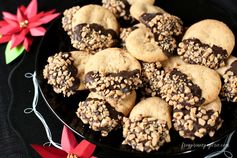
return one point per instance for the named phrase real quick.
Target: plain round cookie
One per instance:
(153, 107)
(173, 62)
(141, 43)
(80, 59)
(137, 9)
(91, 14)
(212, 32)
(207, 79)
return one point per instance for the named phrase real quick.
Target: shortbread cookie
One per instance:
(198, 121)
(173, 62)
(208, 42)
(148, 47)
(147, 127)
(112, 72)
(120, 8)
(229, 75)
(67, 19)
(138, 9)
(65, 71)
(162, 23)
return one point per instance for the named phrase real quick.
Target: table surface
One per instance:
(18, 130)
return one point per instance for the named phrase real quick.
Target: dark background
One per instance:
(19, 130)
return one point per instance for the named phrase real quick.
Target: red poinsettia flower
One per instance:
(70, 148)
(20, 28)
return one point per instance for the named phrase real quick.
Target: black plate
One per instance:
(57, 40)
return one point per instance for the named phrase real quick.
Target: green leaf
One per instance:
(12, 54)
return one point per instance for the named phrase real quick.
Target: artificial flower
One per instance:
(70, 148)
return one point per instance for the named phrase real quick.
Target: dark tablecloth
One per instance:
(22, 129)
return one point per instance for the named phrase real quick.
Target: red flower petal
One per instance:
(47, 18)
(7, 29)
(27, 43)
(84, 150)
(22, 8)
(37, 31)
(68, 140)
(3, 23)
(49, 152)
(31, 10)
(8, 15)
(19, 38)
(20, 16)
(12, 22)
(5, 38)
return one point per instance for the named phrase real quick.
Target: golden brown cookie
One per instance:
(112, 72)
(216, 105)
(208, 42)
(138, 9)
(149, 47)
(141, 1)
(147, 127)
(173, 62)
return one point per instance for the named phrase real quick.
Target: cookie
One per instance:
(65, 72)
(147, 127)
(99, 114)
(198, 121)
(138, 9)
(96, 14)
(208, 42)
(67, 19)
(120, 8)
(185, 86)
(94, 28)
(112, 72)
(229, 75)
(173, 62)
(141, 1)
(154, 47)
(162, 23)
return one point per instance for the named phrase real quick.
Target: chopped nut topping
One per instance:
(164, 24)
(67, 19)
(99, 114)
(114, 85)
(61, 74)
(229, 88)
(145, 133)
(195, 125)
(193, 51)
(120, 8)
(92, 37)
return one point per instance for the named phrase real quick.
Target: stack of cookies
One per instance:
(145, 72)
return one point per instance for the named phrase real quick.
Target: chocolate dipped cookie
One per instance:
(104, 114)
(112, 72)
(147, 127)
(208, 42)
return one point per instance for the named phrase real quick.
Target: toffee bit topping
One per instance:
(152, 75)
(72, 156)
(164, 24)
(120, 8)
(114, 85)
(99, 114)
(193, 51)
(67, 19)
(62, 74)
(92, 37)
(167, 43)
(178, 90)
(196, 122)
(145, 133)
(229, 88)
